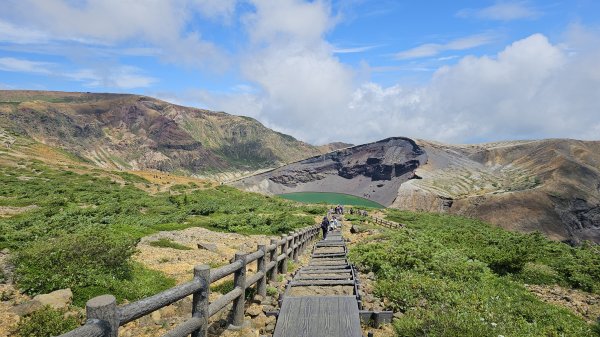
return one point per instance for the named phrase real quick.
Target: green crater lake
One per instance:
(330, 198)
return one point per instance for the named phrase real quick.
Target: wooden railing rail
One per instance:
(104, 317)
(386, 223)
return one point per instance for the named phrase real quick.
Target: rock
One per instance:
(168, 311)
(258, 299)
(59, 299)
(156, 316)
(371, 276)
(270, 328)
(27, 308)
(259, 321)
(208, 246)
(254, 310)
(398, 315)
(268, 307)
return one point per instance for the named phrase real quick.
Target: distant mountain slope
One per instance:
(551, 186)
(326, 148)
(138, 132)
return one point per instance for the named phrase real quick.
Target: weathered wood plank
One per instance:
(318, 316)
(322, 283)
(325, 271)
(323, 277)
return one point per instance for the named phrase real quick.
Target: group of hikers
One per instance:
(330, 225)
(335, 223)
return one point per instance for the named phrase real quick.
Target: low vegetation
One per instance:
(86, 226)
(47, 322)
(166, 243)
(453, 276)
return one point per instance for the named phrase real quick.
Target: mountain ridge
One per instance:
(126, 131)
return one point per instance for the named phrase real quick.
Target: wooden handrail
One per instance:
(386, 223)
(104, 317)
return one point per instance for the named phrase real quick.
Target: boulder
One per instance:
(208, 246)
(26, 308)
(259, 321)
(59, 299)
(254, 310)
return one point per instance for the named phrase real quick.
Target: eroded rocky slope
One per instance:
(552, 186)
(374, 171)
(138, 132)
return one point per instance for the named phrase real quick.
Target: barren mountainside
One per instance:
(551, 186)
(138, 132)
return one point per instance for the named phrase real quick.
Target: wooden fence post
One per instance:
(200, 299)
(284, 250)
(239, 281)
(261, 263)
(104, 308)
(274, 258)
(295, 245)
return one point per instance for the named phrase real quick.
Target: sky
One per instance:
(333, 70)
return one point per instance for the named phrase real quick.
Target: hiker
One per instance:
(336, 224)
(325, 226)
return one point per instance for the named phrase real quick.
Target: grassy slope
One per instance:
(453, 276)
(75, 202)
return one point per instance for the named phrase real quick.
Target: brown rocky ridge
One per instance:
(131, 132)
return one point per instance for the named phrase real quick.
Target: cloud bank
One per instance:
(532, 89)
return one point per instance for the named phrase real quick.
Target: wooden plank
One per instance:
(318, 316)
(322, 283)
(326, 267)
(323, 277)
(325, 271)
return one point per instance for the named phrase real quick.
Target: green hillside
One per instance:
(455, 276)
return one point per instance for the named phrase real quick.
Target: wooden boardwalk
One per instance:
(321, 300)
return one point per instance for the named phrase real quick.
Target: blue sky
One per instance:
(354, 71)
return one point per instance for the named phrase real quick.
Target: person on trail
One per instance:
(335, 222)
(325, 226)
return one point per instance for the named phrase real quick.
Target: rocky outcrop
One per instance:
(374, 171)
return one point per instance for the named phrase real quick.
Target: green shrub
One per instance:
(81, 259)
(46, 322)
(223, 287)
(536, 273)
(272, 291)
(453, 276)
(166, 243)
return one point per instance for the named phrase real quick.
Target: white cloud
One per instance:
(353, 49)
(162, 24)
(502, 11)
(432, 49)
(214, 9)
(531, 89)
(301, 84)
(20, 35)
(25, 66)
(121, 77)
